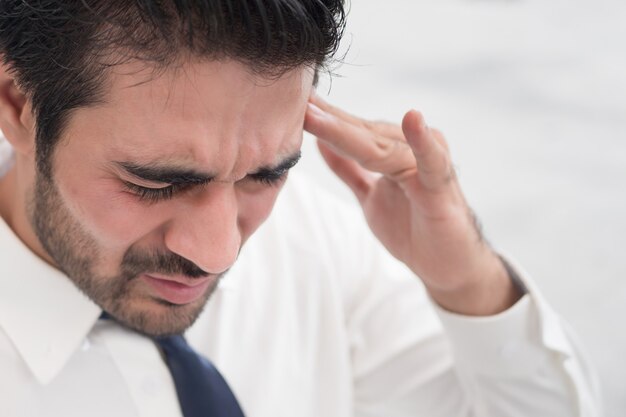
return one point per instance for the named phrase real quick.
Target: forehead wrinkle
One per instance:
(272, 143)
(243, 150)
(247, 128)
(252, 159)
(227, 159)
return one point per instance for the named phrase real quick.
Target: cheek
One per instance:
(254, 208)
(115, 218)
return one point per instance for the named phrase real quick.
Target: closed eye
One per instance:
(275, 175)
(155, 195)
(152, 195)
(175, 182)
(273, 179)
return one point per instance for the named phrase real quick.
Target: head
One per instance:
(153, 137)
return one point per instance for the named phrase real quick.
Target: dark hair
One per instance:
(59, 51)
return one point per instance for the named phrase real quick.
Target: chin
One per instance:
(157, 317)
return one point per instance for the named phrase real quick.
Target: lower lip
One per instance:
(174, 292)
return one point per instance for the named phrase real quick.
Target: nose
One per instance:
(205, 229)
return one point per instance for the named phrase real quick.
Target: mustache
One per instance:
(136, 262)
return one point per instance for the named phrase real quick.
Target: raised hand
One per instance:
(405, 182)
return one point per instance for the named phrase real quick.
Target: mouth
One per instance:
(178, 290)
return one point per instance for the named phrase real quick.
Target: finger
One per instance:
(382, 128)
(371, 150)
(433, 161)
(440, 139)
(390, 130)
(336, 111)
(358, 179)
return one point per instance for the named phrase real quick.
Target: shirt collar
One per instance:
(41, 311)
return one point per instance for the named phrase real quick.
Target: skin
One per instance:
(203, 117)
(416, 208)
(217, 119)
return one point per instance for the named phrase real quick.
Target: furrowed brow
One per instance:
(167, 175)
(278, 170)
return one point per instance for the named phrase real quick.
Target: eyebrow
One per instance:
(154, 172)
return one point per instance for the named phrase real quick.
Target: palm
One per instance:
(416, 208)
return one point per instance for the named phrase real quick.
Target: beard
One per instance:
(78, 255)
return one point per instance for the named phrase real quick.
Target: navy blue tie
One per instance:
(201, 389)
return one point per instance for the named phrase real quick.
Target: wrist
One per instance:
(497, 289)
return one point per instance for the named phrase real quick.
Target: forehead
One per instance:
(200, 114)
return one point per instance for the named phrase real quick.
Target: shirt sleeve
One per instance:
(528, 345)
(412, 358)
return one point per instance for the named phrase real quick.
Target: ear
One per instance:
(16, 118)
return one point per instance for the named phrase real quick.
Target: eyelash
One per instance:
(152, 195)
(155, 195)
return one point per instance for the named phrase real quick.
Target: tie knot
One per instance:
(105, 316)
(171, 344)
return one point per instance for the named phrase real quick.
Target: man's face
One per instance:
(154, 192)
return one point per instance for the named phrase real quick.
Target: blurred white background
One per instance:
(532, 98)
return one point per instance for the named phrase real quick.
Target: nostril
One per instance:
(209, 249)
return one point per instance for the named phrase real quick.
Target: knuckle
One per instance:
(382, 148)
(385, 150)
(389, 147)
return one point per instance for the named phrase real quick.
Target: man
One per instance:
(149, 141)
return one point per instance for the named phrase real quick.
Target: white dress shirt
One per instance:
(314, 320)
